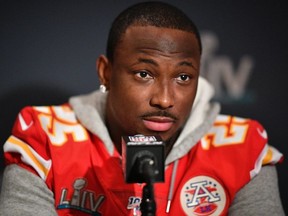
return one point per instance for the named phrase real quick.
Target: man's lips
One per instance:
(158, 123)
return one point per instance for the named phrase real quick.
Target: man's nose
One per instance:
(162, 96)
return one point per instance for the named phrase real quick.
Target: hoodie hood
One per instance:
(200, 120)
(90, 111)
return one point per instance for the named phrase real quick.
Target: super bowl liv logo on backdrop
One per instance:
(229, 80)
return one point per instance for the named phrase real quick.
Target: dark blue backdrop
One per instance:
(48, 51)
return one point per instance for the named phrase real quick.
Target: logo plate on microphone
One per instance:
(136, 148)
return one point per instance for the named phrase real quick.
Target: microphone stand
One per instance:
(147, 169)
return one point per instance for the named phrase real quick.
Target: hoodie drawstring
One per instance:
(171, 188)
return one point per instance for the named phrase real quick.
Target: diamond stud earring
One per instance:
(102, 88)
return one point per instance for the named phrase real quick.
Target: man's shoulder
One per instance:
(241, 140)
(230, 130)
(47, 109)
(232, 120)
(57, 122)
(40, 133)
(47, 115)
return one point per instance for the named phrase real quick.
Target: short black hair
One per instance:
(156, 14)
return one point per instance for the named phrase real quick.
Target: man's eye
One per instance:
(143, 75)
(183, 77)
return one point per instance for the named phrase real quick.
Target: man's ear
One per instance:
(104, 70)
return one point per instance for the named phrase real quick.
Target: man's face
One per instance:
(152, 82)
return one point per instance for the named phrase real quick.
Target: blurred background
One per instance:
(48, 51)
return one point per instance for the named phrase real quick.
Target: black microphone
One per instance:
(143, 162)
(143, 159)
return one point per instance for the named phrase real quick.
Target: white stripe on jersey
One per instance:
(28, 156)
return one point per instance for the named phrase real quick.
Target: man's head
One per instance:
(156, 14)
(152, 72)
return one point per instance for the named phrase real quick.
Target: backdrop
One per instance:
(48, 51)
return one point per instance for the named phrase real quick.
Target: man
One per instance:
(66, 160)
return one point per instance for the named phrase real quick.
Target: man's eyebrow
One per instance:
(149, 61)
(185, 63)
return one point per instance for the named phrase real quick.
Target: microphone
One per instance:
(143, 159)
(143, 162)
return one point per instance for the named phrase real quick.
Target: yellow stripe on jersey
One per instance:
(28, 156)
(272, 156)
(268, 157)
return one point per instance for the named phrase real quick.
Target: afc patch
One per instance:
(202, 196)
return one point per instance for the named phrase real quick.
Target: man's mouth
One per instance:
(158, 123)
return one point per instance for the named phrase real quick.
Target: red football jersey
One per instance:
(87, 180)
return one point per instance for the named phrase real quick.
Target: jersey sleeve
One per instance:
(268, 154)
(28, 145)
(241, 142)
